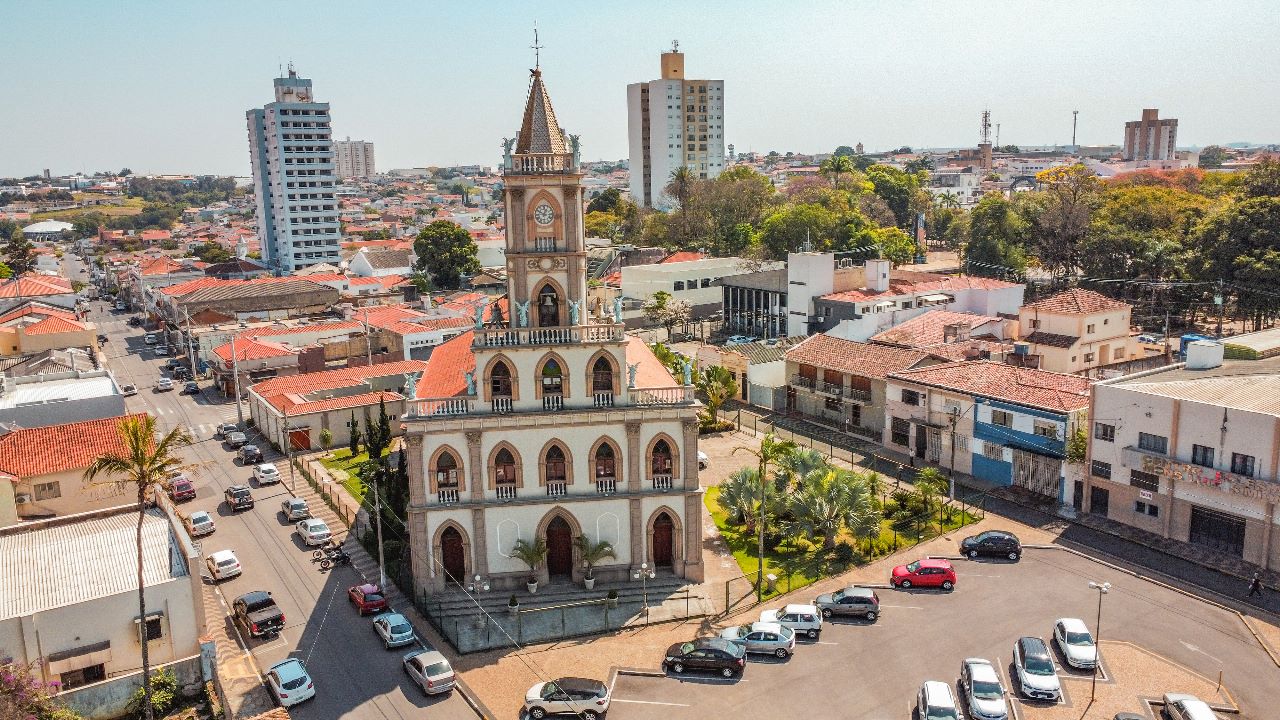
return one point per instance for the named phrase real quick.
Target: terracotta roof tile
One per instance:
(1077, 301)
(682, 256)
(40, 451)
(929, 328)
(1041, 337)
(998, 381)
(650, 373)
(855, 358)
(253, 349)
(30, 285)
(446, 373)
(289, 402)
(54, 324)
(329, 379)
(908, 282)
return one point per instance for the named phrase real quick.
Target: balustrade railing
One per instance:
(447, 495)
(603, 399)
(556, 488)
(835, 389)
(444, 406)
(544, 244)
(802, 381)
(606, 485)
(552, 402)
(506, 491)
(502, 404)
(509, 337)
(677, 395)
(663, 482)
(859, 395)
(639, 397)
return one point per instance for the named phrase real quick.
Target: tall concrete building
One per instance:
(1150, 138)
(355, 159)
(687, 116)
(291, 151)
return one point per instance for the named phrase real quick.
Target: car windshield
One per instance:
(1079, 638)
(837, 596)
(372, 597)
(549, 689)
(439, 668)
(913, 566)
(226, 563)
(986, 690)
(295, 683)
(401, 629)
(785, 633)
(1038, 665)
(941, 714)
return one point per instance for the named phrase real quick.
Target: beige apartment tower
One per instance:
(686, 116)
(355, 159)
(1150, 138)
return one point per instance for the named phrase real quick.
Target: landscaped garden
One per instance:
(820, 519)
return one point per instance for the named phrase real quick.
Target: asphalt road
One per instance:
(355, 677)
(862, 670)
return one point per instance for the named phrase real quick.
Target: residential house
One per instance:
(49, 289)
(56, 398)
(381, 262)
(34, 327)
(208, 300)
(1002, 424)
(843, 383)
(759, 369)
(1077, 330)
(952, 335)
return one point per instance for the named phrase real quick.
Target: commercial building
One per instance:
(685, 115)
(1150, 139)
(291, 153)
(551, 423)
(1190, 452)
(58, 397)
(694, 280)
(355, 159)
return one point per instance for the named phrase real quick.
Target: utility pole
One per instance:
(1219, 300)
(368, 351)
(1074, 116)
(377, 510)
(235, 373)
(951, 471)
(286, 444)
(191, 344)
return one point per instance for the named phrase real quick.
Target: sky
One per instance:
(162, 87)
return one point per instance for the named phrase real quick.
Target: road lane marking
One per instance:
(650, 702)
(1196, 649)
(903, 607)
(821, 642)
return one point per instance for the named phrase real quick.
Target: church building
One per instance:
(546, 421)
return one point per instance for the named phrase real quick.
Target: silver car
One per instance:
(1076, 643)
(982, 689)
(763, 637)
(430, 671)
(295, 509)
(312, 531)
(394, 629)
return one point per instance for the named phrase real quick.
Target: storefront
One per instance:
(1217, 530)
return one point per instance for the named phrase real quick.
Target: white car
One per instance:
(161, 350)
(149, 338)
(127, 390)
(703, 460)
(579, 697)
(1178, 706)
(200, 523)
(804, 619)
(164, 384)
(266, 474)
(430, 670)
(1075, 642)
(394, 629)
(313, 531)
(295, 509)
(935, 701)
(290, 682)
(983, 691)
(1037, 676)
(223, 565)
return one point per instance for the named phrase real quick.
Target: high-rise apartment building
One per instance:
(673, 122)
(355, 159)
(291, 151)
(1150, 138)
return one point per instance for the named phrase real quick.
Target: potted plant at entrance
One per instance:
(531, 554)
(591, 554)
(513, 605)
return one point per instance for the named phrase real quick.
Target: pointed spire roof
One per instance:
(540, 132)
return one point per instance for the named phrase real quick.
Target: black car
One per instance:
(135, 321)
(238, 497)
(257, 614)
(191, 389)
(249, 455)
(714, 654)
(181, 372)
(995, 543)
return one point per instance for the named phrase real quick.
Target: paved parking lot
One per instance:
(863, 670)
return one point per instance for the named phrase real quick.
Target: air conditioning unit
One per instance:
(22, 498)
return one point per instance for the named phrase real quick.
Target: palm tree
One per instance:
(835, 166)
(531, 554)
(930, 483)
(738, 496)
(794, 466)
(144, 465)
(593, 553)
(680, 186)
(830, 499)
(946, 200)
(771, 450)
(718, 385)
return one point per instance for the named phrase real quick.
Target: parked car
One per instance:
(249, 454)
(181, 372)
(161, 350)
(1037, 677)
(313, 531)
(854, 601)
(290, 682)
(714, 654)
(257, 614)
(149, 338)
(430, 670)
(266, 473)
(295, 509)
(182, 489)
(763, 637)
(238, 497)
(199, 523)
(134, 321)
(927, 572)
(982, 689)
(935, 702)
(703, 460)
(164, 384)
(994, 543)
(127, 390)
(739, 340)
(367, 598)
(191, 389)
(223, 564)
(394, 629)
(579, 697)
(804, 619)
(235, 439)
(1076, 643)
(1178, 706)
(225, 429)
(1149, 339)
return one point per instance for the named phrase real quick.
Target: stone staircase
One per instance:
(456, 602)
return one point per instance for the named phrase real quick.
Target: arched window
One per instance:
(552, 378)
(548, 306)
(500, 381)
(556, 468)
(446, 469)
(660, 460)
(602, 376)
(504, 467)
(606, 463)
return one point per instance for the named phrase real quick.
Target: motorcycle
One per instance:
(330, 555)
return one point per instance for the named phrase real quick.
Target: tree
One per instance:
(899, 189)
(826, 503)
(794, 466)
(1263, 180)
(606, 201)
(718, 385)
(738, 496)
(326, 438)
(212, 252)
(1240, 246)
(19, 253)
(144, 465)
(794, 227)
(600, 224)
(592, 553)
(835, 166)
(894, 245)
(383, 428)
(6, 272)
(931, 483)
(679, 188)
(24, 695)
(1070, 194)
(1212, 157)
(997, 235)
(843, 151)
(1077, 445)
(353, 444)
(447, 253)
(531, 554)
(662, 309)
(771, 449)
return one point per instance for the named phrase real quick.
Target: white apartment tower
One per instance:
(687, 116)
(355, 159)
(291, 151)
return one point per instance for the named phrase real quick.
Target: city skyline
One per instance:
(437, 89)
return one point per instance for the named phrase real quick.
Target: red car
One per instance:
(181, 489)
(367, 598)
(924, 573)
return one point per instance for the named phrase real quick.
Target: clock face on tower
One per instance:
(543, 214)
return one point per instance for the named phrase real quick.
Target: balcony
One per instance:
(506, 491)
(832, 389)
(802, 382)
(447, 495)
(502, 405)
(553, 402)
(606, 485)
(453, 407)
(557, 488)
(545, 245)
(677, 395)
(603, 400)
(515, 337)
(862, 396)
(663, 482)
(536, 163)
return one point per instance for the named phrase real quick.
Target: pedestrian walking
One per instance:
(1255, 585)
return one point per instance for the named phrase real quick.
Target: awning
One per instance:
(885, 304)
(80, 657)
(936, 298)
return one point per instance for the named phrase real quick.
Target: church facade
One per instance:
(546, 421)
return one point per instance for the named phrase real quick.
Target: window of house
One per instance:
(504, 467)
(48, 491)
(1046, 429)
(1144, 480)
(154, 628)
(1002, 418)
(993, 451)
(1146, 508)
(1102, 431)
(1088, 357)
(83, 676)
(962, 443)
(1100, 469)
(910, 397)
(1119, 354)
(555, 464)
(660, 462)
(1035, 324)
(1202, 456)
(900, 432)
(1089, 328)
(679, 285)
(1242, 464)
(706, 282)
(605, 462)
(1153, 443)
(446, 469)
(834, 403)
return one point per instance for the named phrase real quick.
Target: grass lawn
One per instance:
(342, 465)
(108, 210)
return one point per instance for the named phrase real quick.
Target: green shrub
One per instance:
(164, 692)
(844, 553)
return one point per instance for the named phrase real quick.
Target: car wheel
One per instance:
(826, 613)
(904, 584)
(781, 653)
(726, 672)
(677, 668)
(812, 634)
(537, 713)
(1014, 556)
(947, 585)
(973, 554)
(871, 616)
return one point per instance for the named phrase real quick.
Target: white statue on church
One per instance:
(522, 313)
(574, 306)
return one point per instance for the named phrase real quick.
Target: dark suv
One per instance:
(853, 601)
(715, 654)
(995, 543)
(238, 497)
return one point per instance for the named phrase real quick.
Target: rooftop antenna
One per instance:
(997, 134)
(291, 70)
(1074, 116)
(675, 46)
(537, 56)
(986, 126)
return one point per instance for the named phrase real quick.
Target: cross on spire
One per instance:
(537, 61)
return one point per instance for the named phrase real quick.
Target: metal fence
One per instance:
(328, 493)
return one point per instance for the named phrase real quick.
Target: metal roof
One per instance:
(73, 562)
(1254, 393)
(49, 391)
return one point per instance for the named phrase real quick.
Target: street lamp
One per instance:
(1103, 589)
(644, 575)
